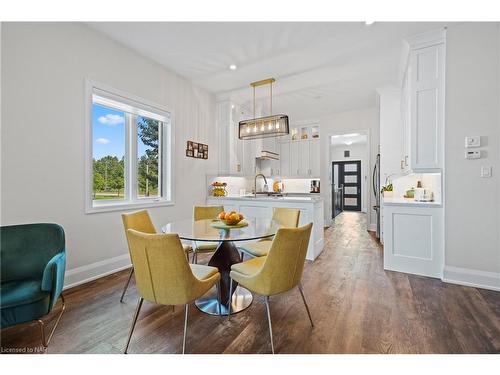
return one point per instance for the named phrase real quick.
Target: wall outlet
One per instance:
(486, 171)
(473, 141)
(473, 154)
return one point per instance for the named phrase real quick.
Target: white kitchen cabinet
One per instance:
(304, 156)
(413, 239)
(422, 104)
(230, 146)
(294, 158)
(314, 158)
(427, 107)
(249, 154)
(285, 158)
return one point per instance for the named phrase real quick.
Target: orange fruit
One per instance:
(222, 215)
(241, 217)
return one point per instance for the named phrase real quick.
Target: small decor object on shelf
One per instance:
(387, 190)
(197, 150)
(219, 189)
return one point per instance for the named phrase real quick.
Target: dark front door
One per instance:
(347, 175)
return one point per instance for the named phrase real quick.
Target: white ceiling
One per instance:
(354, 139)
(320, 68)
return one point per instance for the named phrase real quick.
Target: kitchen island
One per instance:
(311, 210)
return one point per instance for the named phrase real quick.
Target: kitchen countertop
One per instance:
(250, 198)
(408, 202)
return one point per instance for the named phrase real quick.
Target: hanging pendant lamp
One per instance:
(264, 127)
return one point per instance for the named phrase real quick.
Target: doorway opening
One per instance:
(349, 161)
(347, 175)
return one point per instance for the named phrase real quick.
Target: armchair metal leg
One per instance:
(230, 300)
(45, 341)
(126, 284)
(305, 304)
(270, 325)
(185, 329)
(136, 315)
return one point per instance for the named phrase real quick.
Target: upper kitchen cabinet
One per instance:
(300, 156)
(423, 103)
(314, 151)
(236, 156)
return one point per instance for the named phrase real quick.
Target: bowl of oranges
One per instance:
(230, 218)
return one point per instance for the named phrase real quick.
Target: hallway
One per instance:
(357, 307)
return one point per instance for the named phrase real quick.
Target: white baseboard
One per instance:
(89, 272)
(470, 277)
(372, 227)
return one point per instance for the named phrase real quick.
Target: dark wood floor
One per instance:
(357, 307)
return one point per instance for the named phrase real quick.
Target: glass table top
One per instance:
(202, 230)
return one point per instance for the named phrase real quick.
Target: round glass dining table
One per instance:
(224, 257)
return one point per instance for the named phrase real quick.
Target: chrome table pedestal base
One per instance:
(242, 298)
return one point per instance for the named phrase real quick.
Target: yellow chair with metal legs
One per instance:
(140, 221)
(204, 213)
(279, 271)
(286, 218)
(164, 275)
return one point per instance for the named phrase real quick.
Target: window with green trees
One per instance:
(130, 152)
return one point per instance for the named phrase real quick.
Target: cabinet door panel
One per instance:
(314, 159)
(294, 158)
(427, 107)
(304, 168)
(285, 159)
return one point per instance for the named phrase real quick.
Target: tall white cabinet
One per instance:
(422, 104)
(413, 232)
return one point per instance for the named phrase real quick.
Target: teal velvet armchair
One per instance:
(33, 262)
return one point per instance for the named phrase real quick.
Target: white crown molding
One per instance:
(471, 277)
(427, 39)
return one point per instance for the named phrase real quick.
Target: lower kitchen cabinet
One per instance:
(413, 239)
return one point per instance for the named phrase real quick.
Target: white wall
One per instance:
(357, 121)
(358, 151)
(472, 108)
(44, 66)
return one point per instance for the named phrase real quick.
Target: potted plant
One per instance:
(387, 190)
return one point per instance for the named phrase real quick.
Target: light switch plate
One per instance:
(474, 141)
(486, 171)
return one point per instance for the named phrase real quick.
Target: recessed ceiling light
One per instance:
(336, 136)
(348, 143)
(233, 67)
(368, 23)
(351, 135)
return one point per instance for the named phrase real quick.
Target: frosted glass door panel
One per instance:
(351, 179)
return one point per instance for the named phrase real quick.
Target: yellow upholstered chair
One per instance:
(141, 222)
(286, 218)
(164, 276)
(279, 271)
(204, 213)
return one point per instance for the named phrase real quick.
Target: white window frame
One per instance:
(140, 107)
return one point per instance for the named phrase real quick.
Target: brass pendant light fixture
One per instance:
(263, 127)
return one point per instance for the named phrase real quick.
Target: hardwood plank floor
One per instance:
(356, 305)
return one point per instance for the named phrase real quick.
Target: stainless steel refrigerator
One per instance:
(376, 192)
